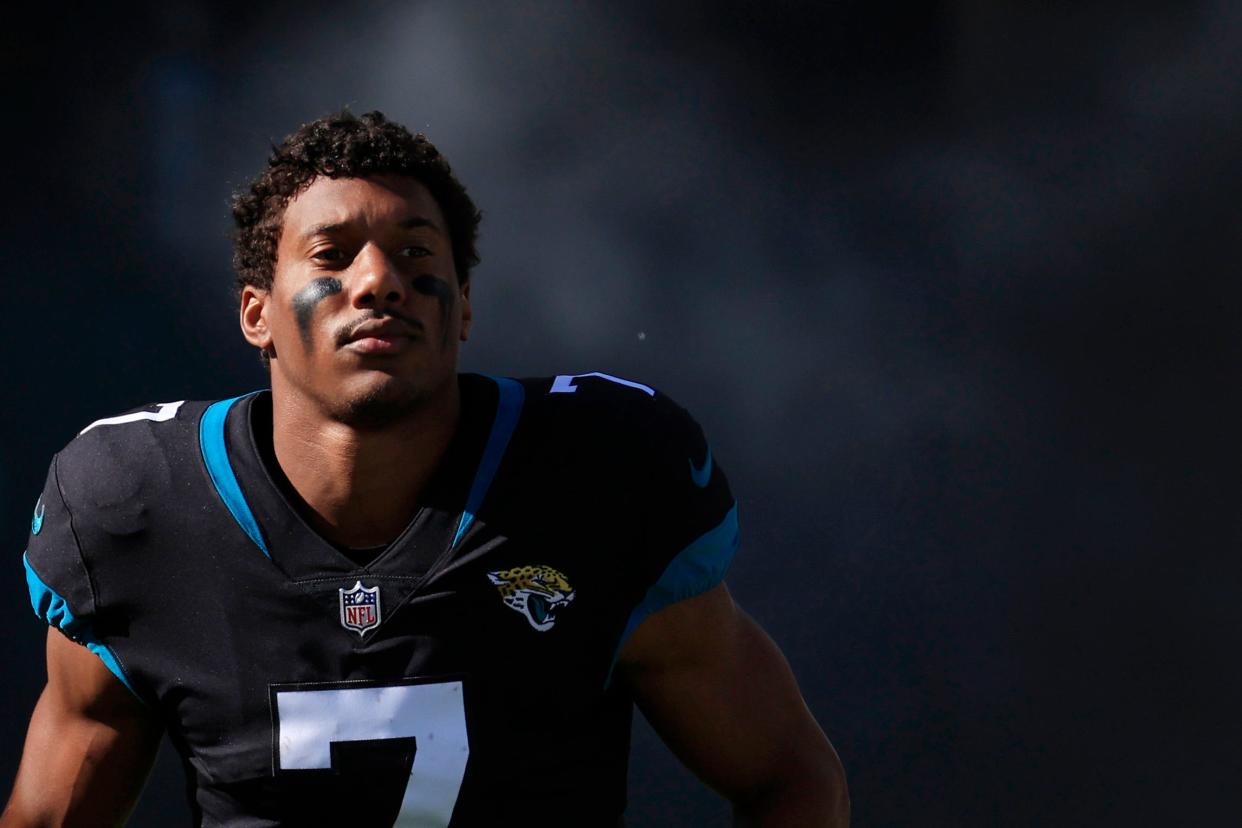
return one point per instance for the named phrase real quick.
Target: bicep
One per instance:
(721, 695)
(89, 747)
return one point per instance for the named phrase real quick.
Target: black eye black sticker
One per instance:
(429, 285)
(305, 301)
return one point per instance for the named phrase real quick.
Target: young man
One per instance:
(382, 592)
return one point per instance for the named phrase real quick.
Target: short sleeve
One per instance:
(57, 579)
(60, 588)
(690, 517)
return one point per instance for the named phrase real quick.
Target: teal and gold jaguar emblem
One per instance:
(537, 592)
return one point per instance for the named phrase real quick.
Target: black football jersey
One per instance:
(462, 676)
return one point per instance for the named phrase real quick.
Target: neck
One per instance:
(362, 488)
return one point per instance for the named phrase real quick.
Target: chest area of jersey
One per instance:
(489, 607)
(505, 641)
(528, 627)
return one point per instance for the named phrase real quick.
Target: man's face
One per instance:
(365, 312)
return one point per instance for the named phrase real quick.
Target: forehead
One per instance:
(374, 202)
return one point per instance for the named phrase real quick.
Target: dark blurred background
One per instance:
(949, 287)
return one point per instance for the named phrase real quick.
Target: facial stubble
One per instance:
(381, 406)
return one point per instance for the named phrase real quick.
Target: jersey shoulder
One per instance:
(115, 459)
(596, 407)
(674, 498)
(99, 491)
(633, 442)
(101, 487)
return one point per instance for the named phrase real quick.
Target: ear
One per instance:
(466, 314)
(254, 317)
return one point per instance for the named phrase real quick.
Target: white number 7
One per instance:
(309, 721)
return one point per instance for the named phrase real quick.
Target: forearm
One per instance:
(89, 747)
(71, 773)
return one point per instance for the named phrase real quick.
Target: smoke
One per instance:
(939, 286)
(635, 209)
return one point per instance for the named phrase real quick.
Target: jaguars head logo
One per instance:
(538, 592)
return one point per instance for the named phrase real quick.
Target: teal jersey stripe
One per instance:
(211, 440)
(51, 606)
(694, 570)
(508, 411)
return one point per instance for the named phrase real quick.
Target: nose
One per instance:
(375, 283)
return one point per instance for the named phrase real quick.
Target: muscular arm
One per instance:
(89, 748)
(721, 695)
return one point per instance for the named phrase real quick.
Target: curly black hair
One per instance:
(344, 146)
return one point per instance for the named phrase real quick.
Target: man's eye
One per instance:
(328, 254)
(415, 251)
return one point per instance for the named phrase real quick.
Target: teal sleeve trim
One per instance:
(51, 606)
(211, 442)
(508, 411)
(694, 570)
(702, 475)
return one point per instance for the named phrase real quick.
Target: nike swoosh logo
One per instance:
(36, 522)
(703, 474)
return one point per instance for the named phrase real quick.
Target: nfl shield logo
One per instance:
(360, 608)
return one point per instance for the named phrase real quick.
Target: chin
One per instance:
(381, 404)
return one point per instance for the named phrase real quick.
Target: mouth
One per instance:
(377, 337)
(376, 345)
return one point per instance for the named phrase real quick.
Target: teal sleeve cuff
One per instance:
(51, 606)
(694, 570)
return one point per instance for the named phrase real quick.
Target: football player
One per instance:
(383, 592)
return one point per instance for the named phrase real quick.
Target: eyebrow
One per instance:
(335, 227)
(418, 221)
(323, 230)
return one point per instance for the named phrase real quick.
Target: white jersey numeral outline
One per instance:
(309, 721)
(167, 412)
(564, 383)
